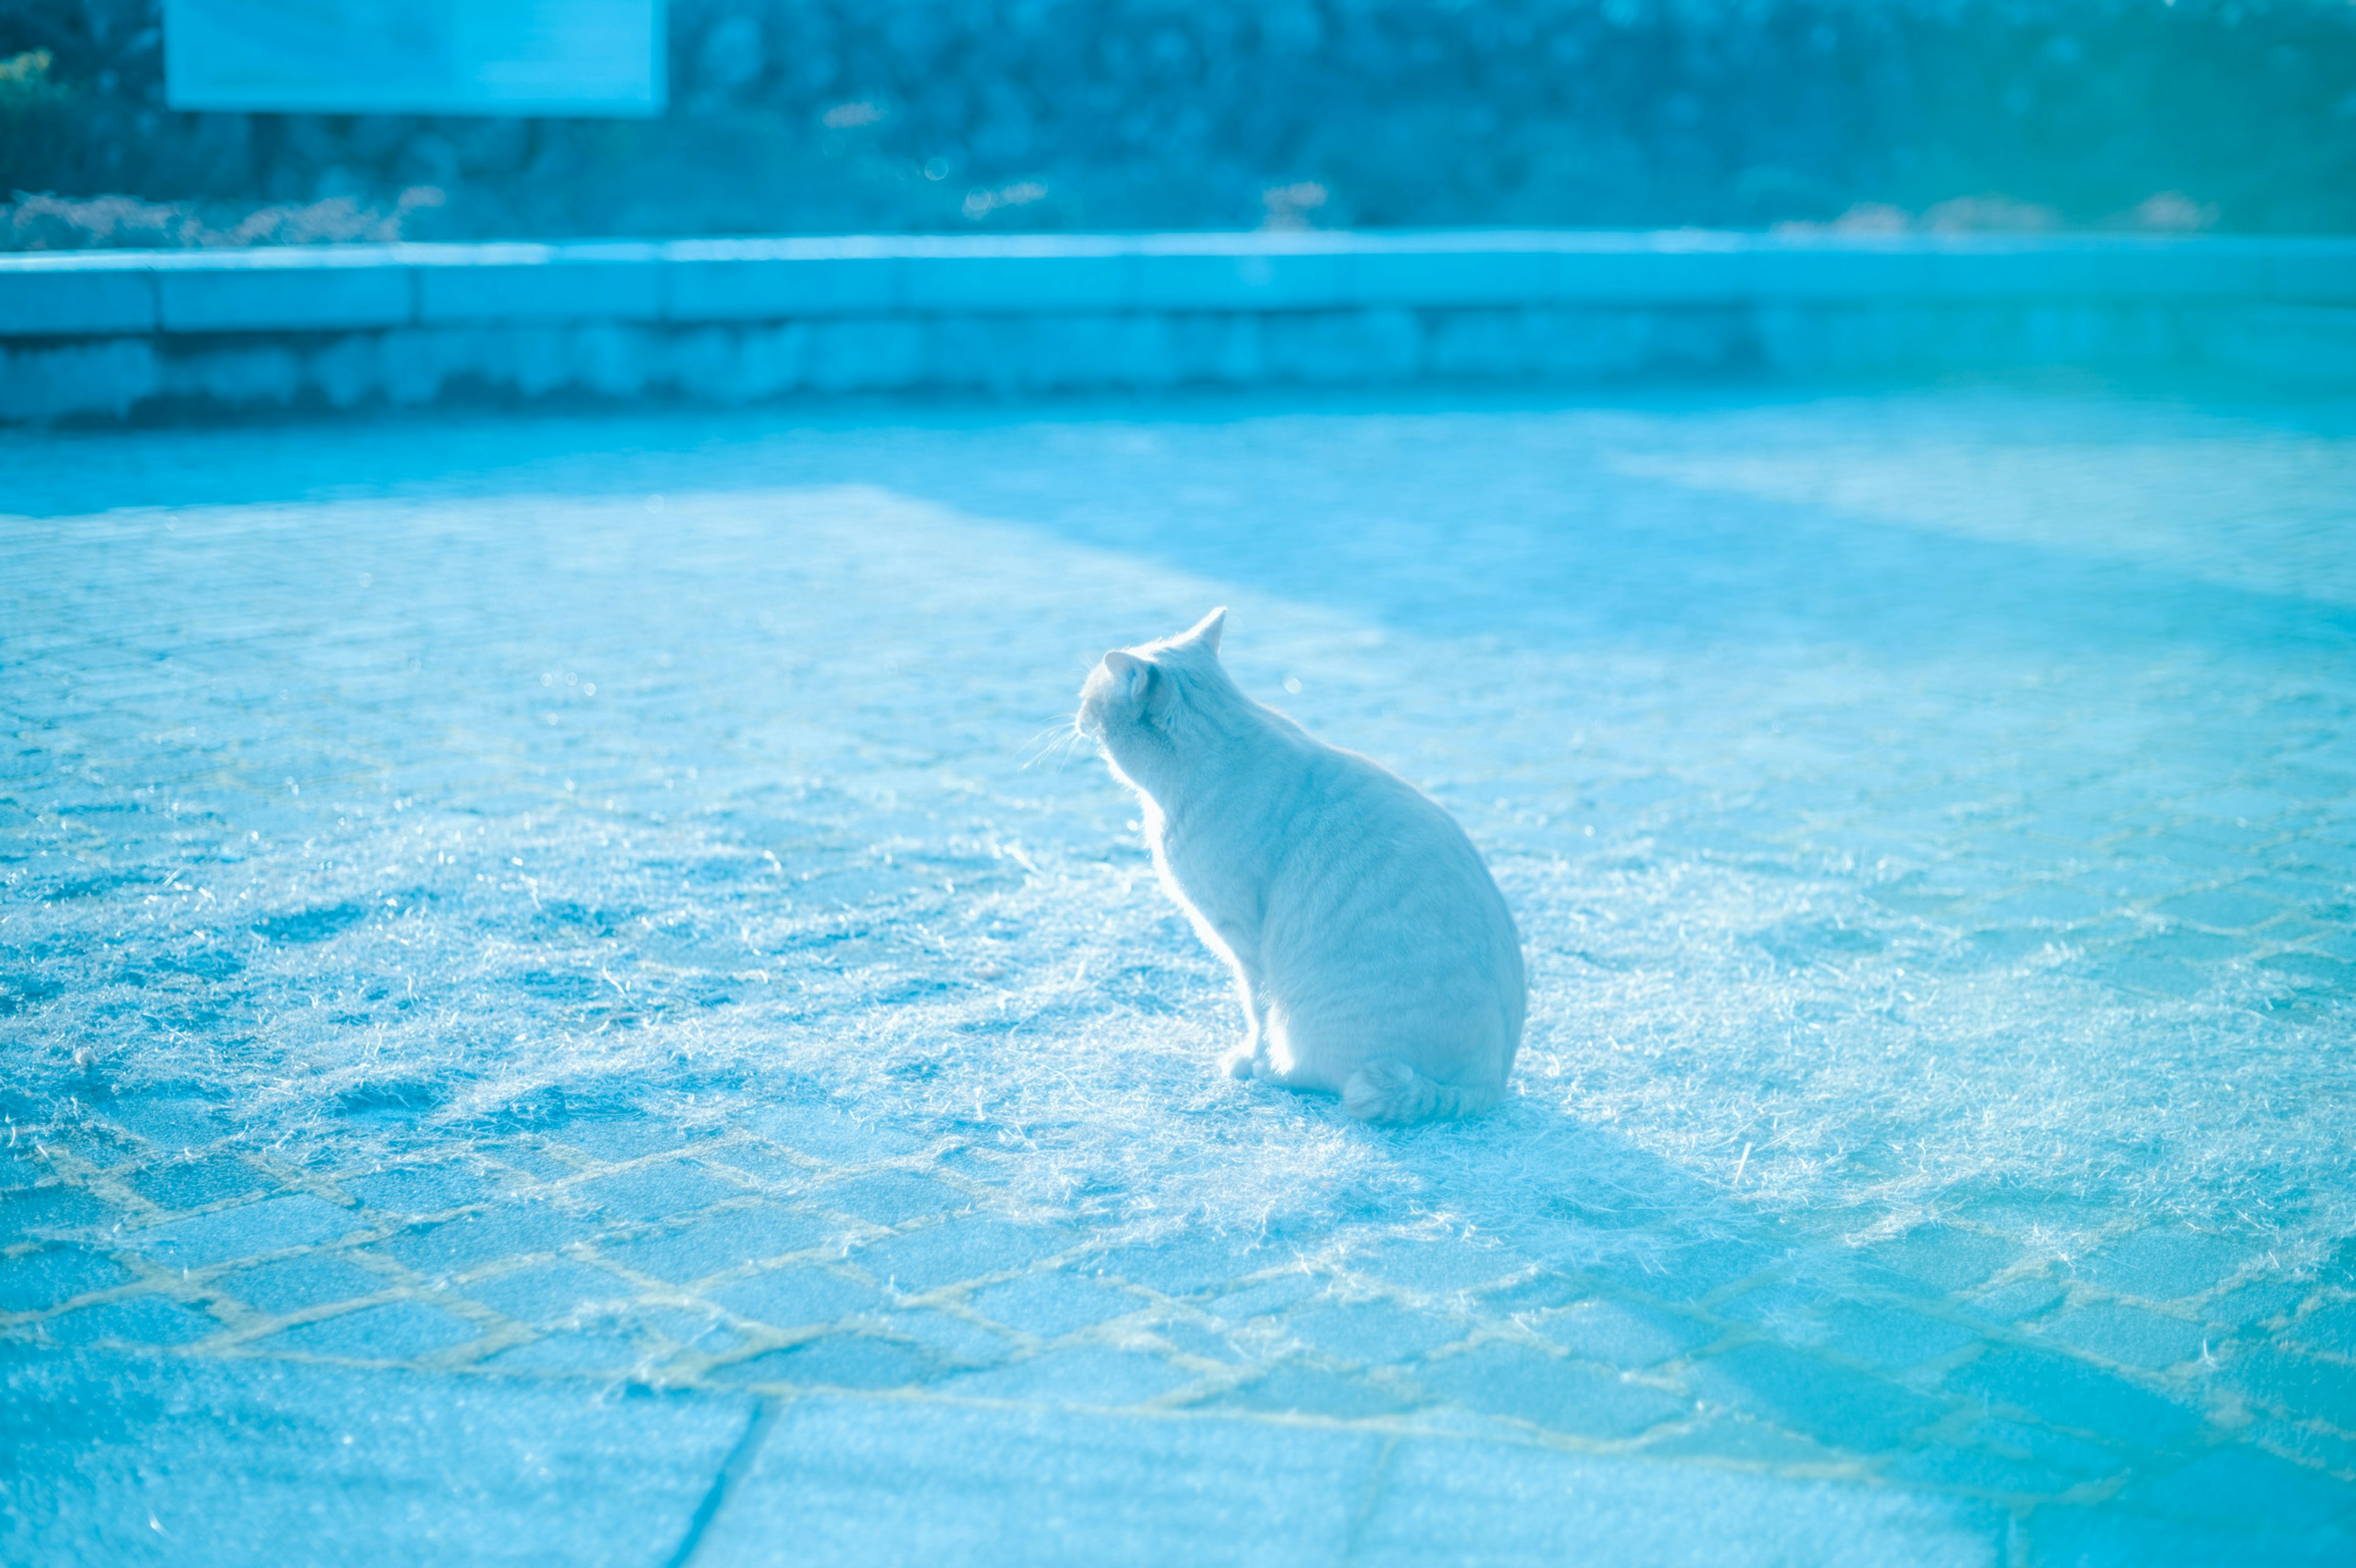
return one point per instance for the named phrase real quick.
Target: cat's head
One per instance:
(1136, 704)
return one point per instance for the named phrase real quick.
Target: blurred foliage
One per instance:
(36, 119)
(954, 114)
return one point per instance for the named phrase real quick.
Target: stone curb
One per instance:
(108, 332)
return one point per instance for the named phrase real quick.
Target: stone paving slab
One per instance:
(835, 1477)
(123, 1457)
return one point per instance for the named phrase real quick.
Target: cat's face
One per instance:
(1130, 698)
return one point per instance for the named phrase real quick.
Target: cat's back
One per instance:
(1359, 807)
(1385, 938)
(1376, 860)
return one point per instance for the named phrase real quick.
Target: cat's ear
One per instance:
(1130, 675)
(1206, 630)
(1145, 688)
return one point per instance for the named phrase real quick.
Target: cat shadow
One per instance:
(1567, 1198)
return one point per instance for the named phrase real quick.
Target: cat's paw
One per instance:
(1238, 1063)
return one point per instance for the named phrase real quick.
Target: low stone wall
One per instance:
(111, 335)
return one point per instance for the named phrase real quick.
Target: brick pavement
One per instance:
(549, 1020)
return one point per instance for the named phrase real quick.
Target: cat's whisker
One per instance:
(1059, 741)
(1044, 740)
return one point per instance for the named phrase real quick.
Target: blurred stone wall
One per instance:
(820, 115)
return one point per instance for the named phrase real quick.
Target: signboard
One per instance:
(416, 57)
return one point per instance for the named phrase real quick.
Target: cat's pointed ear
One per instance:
(1206, 630)
(1129, 674)
(1143, 688)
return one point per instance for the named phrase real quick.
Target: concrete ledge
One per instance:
(338, 288)
(778, 280)
(352, 286)
(457, 283)
(2316, 272)
(107, 332)
(64, 297)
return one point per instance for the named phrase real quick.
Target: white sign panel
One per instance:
(416, 57)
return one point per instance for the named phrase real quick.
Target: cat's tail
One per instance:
(1388, 1089)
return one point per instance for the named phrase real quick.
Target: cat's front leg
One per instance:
(1246, 1060)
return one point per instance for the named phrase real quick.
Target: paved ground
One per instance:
(560, 1003)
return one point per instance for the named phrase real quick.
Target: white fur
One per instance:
(1374, 955)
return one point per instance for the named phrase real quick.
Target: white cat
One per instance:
(1375, 956)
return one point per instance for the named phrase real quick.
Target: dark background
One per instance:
(823, 115)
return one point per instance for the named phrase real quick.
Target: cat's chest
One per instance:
(1209, 868)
